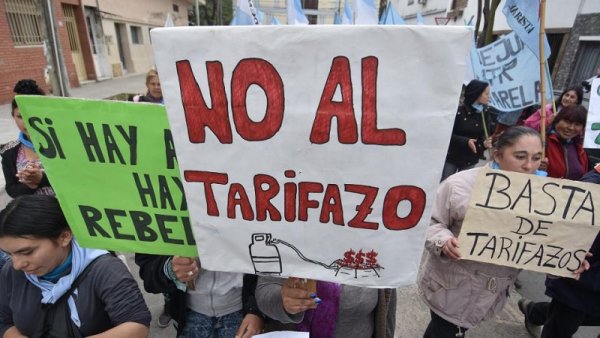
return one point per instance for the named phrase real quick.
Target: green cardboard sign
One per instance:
(112, 165)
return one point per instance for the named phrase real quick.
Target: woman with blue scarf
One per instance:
(470, 134)
(462, 293)
(23, 171)
(46, 261)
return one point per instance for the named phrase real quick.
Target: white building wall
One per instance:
(429, 9)
(590, 6)
(560, 14)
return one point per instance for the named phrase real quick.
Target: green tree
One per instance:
(487, 12)
(212, 13)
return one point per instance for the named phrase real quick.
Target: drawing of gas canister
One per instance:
(265, 255)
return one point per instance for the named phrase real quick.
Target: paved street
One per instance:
(412, 317)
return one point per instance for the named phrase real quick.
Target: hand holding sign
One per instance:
(185, 268)
(585, 266)
(451, 248)
(31, 176)
(296, 299)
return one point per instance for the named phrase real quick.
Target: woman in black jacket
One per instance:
(22, 168)
(470, 135)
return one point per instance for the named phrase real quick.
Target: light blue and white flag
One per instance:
(169, 21)
(261, 16)
(295, 13)
(337, 18)
(365, 12)
(391, 16)
(523, 17)
(275, 21)
(244, 14)
(384, 15)
(420, 20)
(512, 70)
(347, 17)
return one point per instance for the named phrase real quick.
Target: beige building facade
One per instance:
(119, 32)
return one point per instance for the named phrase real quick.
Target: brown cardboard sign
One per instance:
(529, 222)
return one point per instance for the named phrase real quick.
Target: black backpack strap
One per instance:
(80, 278)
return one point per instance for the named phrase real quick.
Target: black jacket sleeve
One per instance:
(151, 272)
(14, 188)
(248, 298)
(591, 278)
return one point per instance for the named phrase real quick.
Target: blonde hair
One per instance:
(151, 73)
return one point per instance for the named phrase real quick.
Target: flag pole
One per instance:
(543, 73)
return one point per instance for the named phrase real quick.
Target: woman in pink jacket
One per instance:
(570, 96)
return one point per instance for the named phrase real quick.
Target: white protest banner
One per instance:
(512, 72)
(303, 155)
(592, 128)
(529, 222)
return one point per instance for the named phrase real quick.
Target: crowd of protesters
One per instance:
(52, 287)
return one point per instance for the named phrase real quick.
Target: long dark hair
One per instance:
(37, 216)
(576, 88)
(511, 135)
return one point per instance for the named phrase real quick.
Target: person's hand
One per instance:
(251, 325)
(544, 164)
(472, 143)
(185, 268)
(297, 300)
(585, 265)
(450, 248)
(487, 143)
(31, 176)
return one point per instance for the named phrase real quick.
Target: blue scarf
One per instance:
(478, 107)
(51, 292)
(541, 173)
(24, 141)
